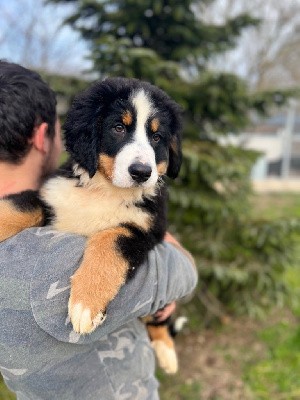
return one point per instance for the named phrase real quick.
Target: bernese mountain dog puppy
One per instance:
(123, 136)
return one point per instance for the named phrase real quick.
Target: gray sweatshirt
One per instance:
(41, 357)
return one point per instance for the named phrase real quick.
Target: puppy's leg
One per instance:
(164, 347)
(98, 279)
(20, 211)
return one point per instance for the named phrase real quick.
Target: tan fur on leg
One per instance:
(13, 221)
(97, 280)
(164, 348)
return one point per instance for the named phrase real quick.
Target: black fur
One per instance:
(175, 158)
(169, 322)
(66, 170)
(88, 133)
(28, 201)
(136, 247)
(85, 121)
(25, 201)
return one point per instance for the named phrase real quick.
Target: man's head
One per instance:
(27, 117)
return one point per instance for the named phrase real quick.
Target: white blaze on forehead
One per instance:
(144, 109)
(139, 149)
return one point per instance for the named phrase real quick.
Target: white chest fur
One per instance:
(87, 210)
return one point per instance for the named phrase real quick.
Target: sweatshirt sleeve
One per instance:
(167, 275)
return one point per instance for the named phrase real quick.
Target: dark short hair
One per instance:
(26, 101)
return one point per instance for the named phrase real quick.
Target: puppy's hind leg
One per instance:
(164, 347)
(19, 211)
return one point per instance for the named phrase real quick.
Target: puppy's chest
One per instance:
(85, 212)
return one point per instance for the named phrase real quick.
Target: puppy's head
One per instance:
(127, 130)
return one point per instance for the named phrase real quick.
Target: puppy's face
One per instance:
(127, 130)
(135, 139)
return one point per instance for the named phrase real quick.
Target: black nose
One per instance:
(140, 172)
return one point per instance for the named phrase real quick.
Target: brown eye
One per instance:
(119, 128)
(156, 137)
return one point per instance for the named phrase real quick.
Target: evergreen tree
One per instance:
(166, 43)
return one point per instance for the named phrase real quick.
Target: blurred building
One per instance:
(278, 140)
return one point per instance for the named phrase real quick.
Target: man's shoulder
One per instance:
(21, 254)
(39, 263)
(47, 233)
(35, 268)
(43, 237)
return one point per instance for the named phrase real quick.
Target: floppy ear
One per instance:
(82, 131)
(175, 156)
(175, 150)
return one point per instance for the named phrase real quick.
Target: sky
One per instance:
(32, 34)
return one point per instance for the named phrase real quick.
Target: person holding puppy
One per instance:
(41, 357)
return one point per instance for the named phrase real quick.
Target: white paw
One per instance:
(81, 319)
(166, 356)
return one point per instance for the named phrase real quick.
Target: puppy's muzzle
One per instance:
(140, 172)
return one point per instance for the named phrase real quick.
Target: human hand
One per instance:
(166, 312)
(171, 239)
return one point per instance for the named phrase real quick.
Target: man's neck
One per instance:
(17, 178)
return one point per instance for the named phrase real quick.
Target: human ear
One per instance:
(40, 139)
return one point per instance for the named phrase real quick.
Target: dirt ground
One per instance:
(216, 359)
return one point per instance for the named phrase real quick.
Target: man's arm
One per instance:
(167, 275)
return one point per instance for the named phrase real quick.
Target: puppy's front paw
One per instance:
(97, 281)
(86, 304)
(82, 318)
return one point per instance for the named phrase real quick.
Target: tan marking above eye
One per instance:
(154, 125)
(127, 118)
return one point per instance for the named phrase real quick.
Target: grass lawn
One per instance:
(277, 375)
(5, 394)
